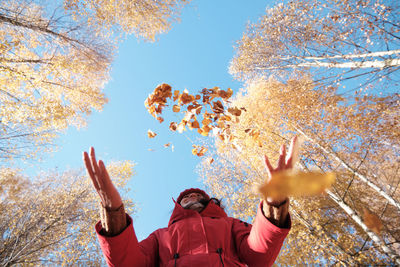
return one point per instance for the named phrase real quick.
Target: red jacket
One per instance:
(209, 238)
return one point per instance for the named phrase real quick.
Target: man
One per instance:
(199, 232)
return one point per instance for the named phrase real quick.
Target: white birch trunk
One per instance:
(363, 178)
(374, 237)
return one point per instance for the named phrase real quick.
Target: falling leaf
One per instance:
(372, 221)
(176, 108)
(210, 160)
(205, 130)
(173, 126)
(181, 126)
(225, 94)
(185, 98)
(160, 119)
(218, 107)
(199, 150)
(195, 125)
(296, 184)
(156, 101)
(206, 121)
(235, 111)
(151, 134)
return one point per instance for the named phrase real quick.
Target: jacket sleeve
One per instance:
(125, 250)
(259, 245)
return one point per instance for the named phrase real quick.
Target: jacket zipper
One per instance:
(219, 251)
(176, 256)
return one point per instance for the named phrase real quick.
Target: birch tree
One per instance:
(50, 220)
(55, 59)
(333, 228)
(351, 44)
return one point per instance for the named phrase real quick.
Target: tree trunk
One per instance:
(363, 178)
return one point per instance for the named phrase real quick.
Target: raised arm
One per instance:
(112, 212)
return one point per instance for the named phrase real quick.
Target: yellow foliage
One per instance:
(50, 220)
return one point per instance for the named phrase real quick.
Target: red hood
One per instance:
(211, 210)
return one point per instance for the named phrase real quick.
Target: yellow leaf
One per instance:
(151, 134)
(296, 184)
(199, 150)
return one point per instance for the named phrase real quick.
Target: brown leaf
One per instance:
(210, 160)
(160, 119)
(235, 111)
(173, 126)
(218, 107)
(151, 134)
(185, 98)
(225, 94)
(372, 221)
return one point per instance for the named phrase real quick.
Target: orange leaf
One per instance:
(176, 95)
(176, 108)
(206, 121)
(372, 221)
(195, 124)
(199, 150)
(151, 134)
(296, 184)
(160, 119)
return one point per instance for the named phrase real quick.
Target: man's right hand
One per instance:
(110, 198)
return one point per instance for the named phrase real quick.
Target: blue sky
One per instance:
(193, 55)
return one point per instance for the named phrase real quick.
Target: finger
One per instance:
(293, 152)
(269, 168)
(88, 165)
(104, 173)
(90, 170)
(93, 161)
(282, 157)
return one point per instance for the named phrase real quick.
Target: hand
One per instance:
(110, 198)
(285, 162)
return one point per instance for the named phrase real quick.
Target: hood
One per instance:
(211, 210)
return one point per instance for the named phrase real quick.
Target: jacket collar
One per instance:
(211, 210)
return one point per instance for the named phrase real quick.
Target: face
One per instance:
(191, 198)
